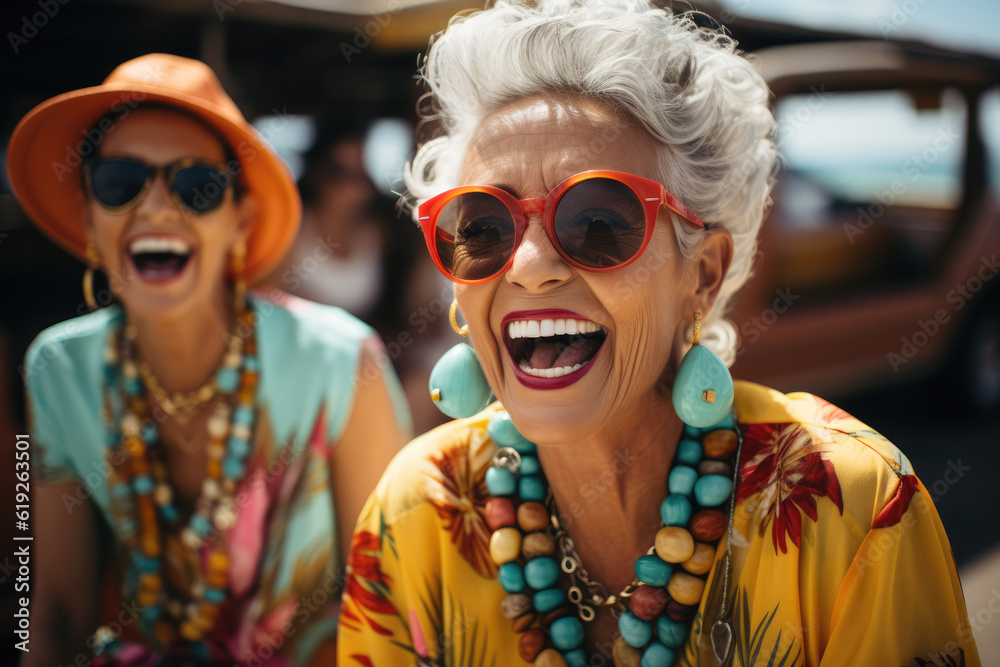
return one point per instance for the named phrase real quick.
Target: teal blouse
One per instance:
(283, 547)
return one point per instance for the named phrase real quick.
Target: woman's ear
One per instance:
(711, 266)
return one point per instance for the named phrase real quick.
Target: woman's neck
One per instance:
(609, 488)
(185, 347)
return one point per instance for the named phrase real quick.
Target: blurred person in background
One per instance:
(353, 251)
(596, 198)
(338, 255)
(200, 452)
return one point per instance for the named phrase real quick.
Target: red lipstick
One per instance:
(533, 381)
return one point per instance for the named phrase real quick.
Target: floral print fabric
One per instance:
(839, 557)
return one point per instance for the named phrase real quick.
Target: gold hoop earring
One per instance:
(239, 279)
(462, 331)
(93, 263)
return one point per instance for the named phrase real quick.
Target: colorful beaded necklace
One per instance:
(655, 610)
(144, 490)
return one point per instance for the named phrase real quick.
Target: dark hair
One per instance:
(118, 114)
(330, 131)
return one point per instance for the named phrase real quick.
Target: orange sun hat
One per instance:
(52, 140)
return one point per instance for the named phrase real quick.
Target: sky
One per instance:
(964, 25)
(968, 25)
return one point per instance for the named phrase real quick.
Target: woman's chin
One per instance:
(156, 297)
(554, 410)
(553, 417)
(551, 425)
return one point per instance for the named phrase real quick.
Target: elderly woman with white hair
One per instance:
(595, 196)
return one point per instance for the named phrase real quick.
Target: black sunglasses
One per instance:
(119, 184)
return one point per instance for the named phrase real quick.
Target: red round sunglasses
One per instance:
(596, 221)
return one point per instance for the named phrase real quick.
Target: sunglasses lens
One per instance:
(115, 183)
(474, 236)
(201, 188)
(600, 223)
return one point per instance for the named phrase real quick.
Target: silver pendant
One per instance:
(722, 640)
(507, 458)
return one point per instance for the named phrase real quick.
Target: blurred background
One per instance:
(877, 283)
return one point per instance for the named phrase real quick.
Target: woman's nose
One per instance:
(537, 266)
(159, 204)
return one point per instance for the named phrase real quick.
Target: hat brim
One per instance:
(49, 144)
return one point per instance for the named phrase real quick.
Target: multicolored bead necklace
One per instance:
(655, 610)
(145, 492)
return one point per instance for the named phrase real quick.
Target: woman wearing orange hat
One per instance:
(201, 451)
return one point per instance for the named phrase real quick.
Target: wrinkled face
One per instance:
(572, 353)
(161, 258)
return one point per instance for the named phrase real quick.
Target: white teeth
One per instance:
(171, 244)
(549, 372)
(546, 328)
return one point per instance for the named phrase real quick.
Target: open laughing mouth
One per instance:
(551, 345)
(159, 259)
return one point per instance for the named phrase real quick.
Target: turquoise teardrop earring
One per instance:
(703, 388)
(457, 384)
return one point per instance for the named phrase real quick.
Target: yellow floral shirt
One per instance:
(839, 556)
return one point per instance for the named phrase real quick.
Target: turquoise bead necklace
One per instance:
(654, 612)
(143, 491)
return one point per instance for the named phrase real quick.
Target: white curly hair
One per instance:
(688, 86)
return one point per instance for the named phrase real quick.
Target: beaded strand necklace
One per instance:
(655, 610)
(145, 492)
